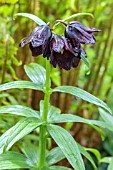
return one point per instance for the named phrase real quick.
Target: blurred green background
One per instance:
(98, 81)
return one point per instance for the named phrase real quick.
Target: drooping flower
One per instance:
(64, 51)
(77, 32)
(63, 54)
(39, 41)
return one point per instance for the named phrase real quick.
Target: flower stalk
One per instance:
(42, 134)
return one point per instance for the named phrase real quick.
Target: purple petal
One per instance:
(79, 32)
(75, 61)
(78, 25)
(41, 35)
(29, 38)
(36, 51)
(57, 43)
(63, 60)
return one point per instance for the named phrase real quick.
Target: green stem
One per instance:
(42, 134)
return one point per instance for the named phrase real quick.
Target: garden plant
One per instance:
(64, 51)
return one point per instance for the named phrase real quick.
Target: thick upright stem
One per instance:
(42, 135)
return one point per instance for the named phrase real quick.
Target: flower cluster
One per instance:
(64, 51)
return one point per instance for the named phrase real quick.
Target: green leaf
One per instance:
(99, 130)
(68, 146)
(32, 17)
(83, 95)
(85, 60)
(95, 152)
(59, 168)
(87, 155)
(110, 167)
(11, 98)
(36, 73)
(15, 133)
(30, 151)
(19, 110)
(78, 14)
(106, 160)
(108, 119)
(53, 112)
(12, 160)
(54, 156)
(73, 118)
(20, 84)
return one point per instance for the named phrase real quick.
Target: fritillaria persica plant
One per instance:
(64, 51)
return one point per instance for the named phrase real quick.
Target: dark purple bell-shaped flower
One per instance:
(77, 32)
(39, 41)
(63, 54)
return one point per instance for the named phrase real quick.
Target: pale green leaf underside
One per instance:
(15, 133)
(36, 73)
(54, 156)
(108, 119)
(73, 118)
(12, 160)
(83, 95)
(30, 151)
(19, 110)
(20, 84)
(32, 17)
(68, 146)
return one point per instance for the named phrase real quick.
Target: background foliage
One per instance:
(98, 81)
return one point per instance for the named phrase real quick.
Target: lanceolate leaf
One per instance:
(95, 152)
(22, 128)
(87, 155)
(30, 151)
(19, 110)
(36, 73)
(73, 118)
(54, 156)
(74, 16)
(85, 60)
(20, 84)
(108, 119)
(13, 160)
(68, 146)
(78, 14)
(83, 95)
(32, 17)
